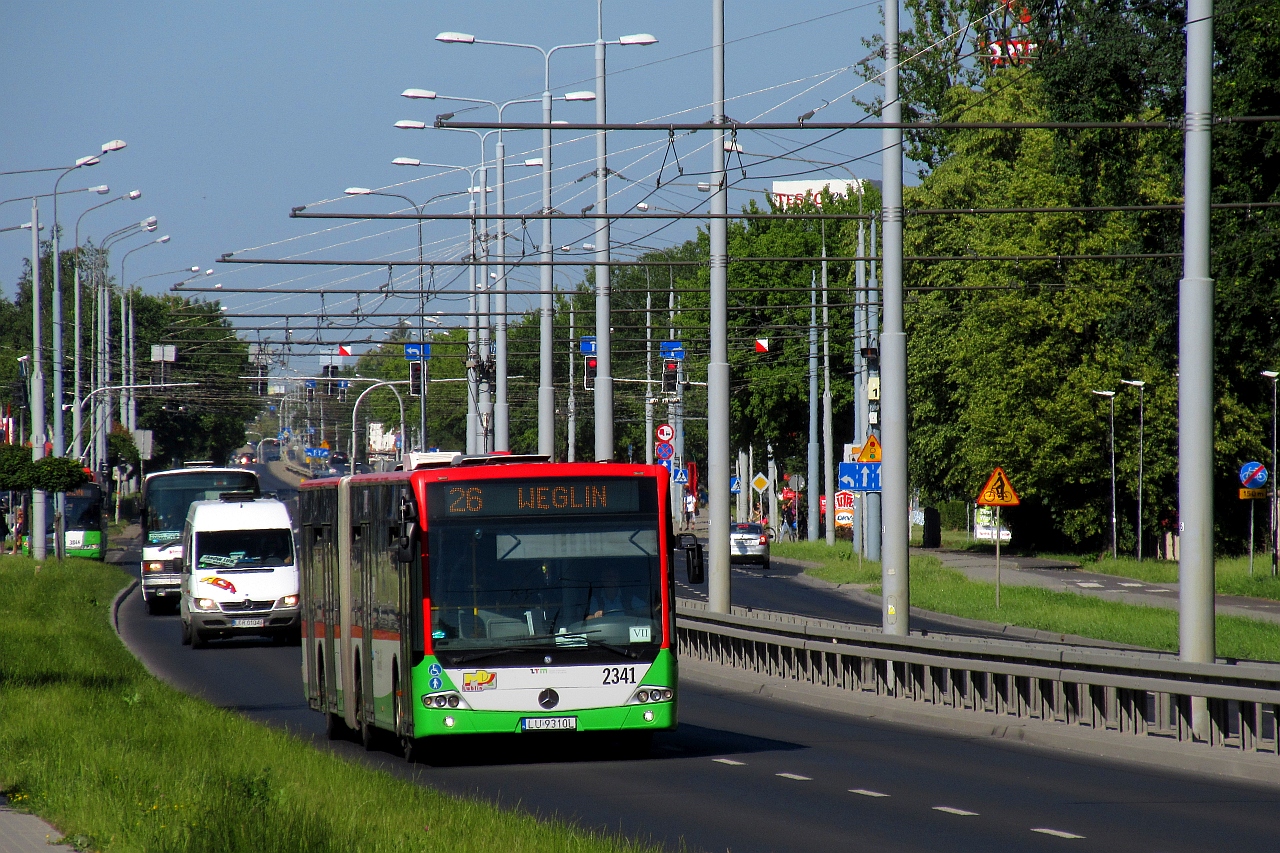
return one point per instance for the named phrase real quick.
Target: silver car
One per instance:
(748, 543)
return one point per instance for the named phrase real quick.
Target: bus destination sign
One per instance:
(576, 496)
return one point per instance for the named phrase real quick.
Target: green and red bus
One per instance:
(483, 595)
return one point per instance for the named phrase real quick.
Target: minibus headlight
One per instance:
(206, 604)
(288, 601)
(153, 566)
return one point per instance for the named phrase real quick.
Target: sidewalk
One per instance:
(1068, 577)
(24, 833)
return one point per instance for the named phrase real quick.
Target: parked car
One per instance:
(749, 543)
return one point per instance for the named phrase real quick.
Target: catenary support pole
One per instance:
(1195, 362)
(828, 450)
(36, 528)
(648, 369)
(604, 362)
(546, 303)
(893, 358)
(812, 475)
(501, 408)
(718, 587)
(871, 500)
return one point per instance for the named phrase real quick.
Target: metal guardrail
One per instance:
(1145, 694)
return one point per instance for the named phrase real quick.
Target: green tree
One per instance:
(15, 467)
(54, 474)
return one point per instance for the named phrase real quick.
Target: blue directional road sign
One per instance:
(664, 450)
(588, 344)
(667, 463)
(860, 476)
(1253, 475)
(682, 476)
(317, 452)
(671, 349)
(417, 352)
(735, 486)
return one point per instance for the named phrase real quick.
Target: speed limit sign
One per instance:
(664, 433)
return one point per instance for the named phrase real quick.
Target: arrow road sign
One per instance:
(588, 345)
(417, 352)
(665, 432)
(672, 349)
(1253, 475)
(735, 486)
(664, 450)
(860, 476)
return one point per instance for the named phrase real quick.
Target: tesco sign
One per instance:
(794, 193)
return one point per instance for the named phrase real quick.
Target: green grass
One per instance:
(1231, 574)
(942, 590)
(121, 762)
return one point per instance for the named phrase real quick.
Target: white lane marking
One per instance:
(729, 761)
(864, 792)
(1089, 584)
(1158, 589)
(1138, 585)
(1056, 833)
(796, 776)
(950, 810)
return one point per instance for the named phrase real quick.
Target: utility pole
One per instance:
(603, 389)
(859, 529)
(572, 416)
(36, 529)
(893, 358)
(1195, 364)
(719, 579)
(648, 368)
(811, 478)
(871, 368)
(828, 437)
(473, 331)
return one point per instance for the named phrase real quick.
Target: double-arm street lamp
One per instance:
(1141, 386)
(546, 390)
(77, 411)
(1111, 399)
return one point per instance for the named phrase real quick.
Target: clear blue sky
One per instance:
(235, 112)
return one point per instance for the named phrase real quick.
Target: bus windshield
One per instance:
(169, 496)
(244, 550)
(518, 564)
(84, 508)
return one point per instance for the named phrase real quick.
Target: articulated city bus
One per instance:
(487, 595)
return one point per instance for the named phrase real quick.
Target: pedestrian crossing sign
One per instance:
(870, 451)
(998, 491)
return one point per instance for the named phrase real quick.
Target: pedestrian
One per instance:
(19, 523)
(690, 507)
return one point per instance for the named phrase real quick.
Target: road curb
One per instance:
(115, 619)
(1114, 747)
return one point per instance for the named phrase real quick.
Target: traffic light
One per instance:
(589, 372)
(670, 375)
(260, 386)
(416, 371)
(329, 371)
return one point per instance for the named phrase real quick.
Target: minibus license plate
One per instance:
(247, 623)
(549, 724)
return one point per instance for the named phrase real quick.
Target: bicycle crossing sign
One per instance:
(998, 491)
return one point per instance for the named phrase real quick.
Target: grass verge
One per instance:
(119, 761)
(942, 590)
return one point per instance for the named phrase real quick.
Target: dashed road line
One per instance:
(1089, 584)
(729, 761)
(955, 811)
(1056, 833)
(1132, 585)
(795, 776)
(866, 793)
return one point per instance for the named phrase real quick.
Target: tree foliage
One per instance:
(57, 474)
(15, 467)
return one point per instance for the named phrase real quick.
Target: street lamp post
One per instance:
(546, 376)
(1111, 400)
(37, 528)
(77, 412)
(1141, 386)
(1273, 375)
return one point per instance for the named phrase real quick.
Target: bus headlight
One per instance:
(153, 566)
(653, 694)
(205, 604)
(288, 601)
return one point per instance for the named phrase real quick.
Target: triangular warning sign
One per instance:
(998, 491)
(870, 451)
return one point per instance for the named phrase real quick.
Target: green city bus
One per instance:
(84, 528)
(490, 595)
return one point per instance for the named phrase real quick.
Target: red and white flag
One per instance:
(343, 350)
(762, 344)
